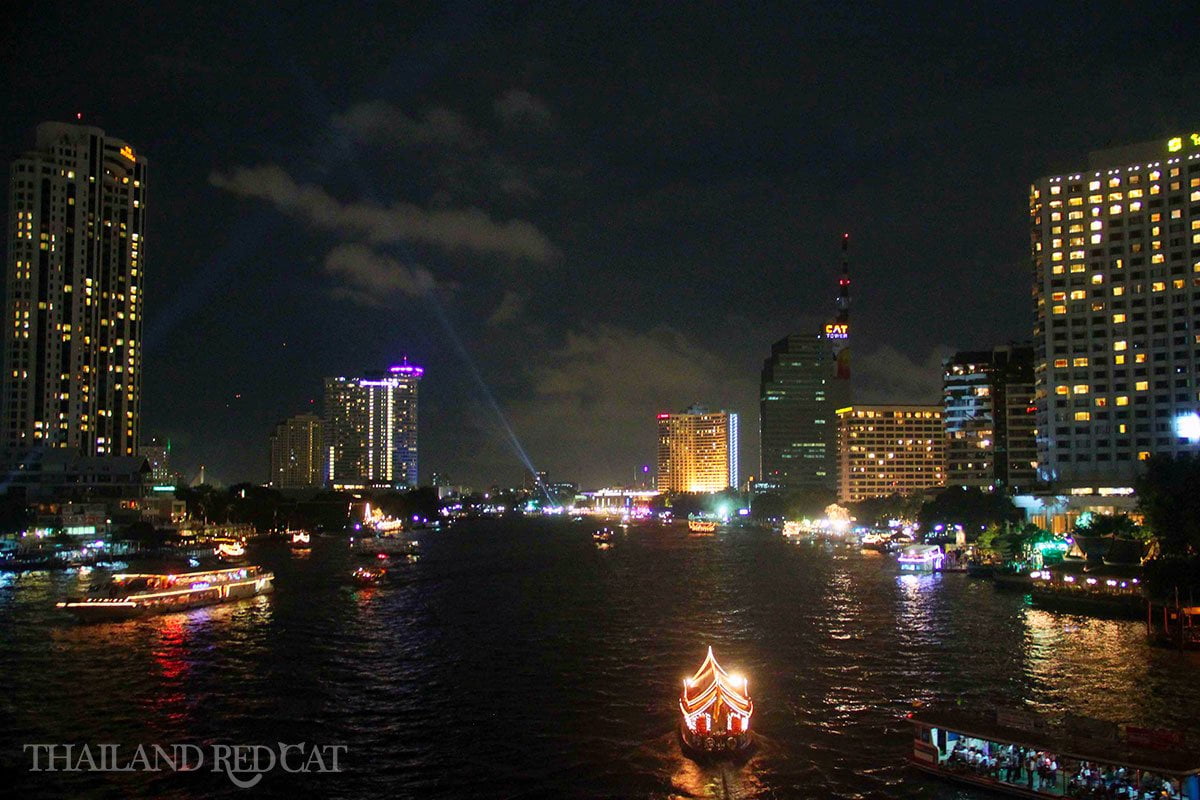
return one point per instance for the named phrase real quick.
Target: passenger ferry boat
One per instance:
(716, 709)
(1014, 754)
(134, 594)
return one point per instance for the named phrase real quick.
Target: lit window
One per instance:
(1097, 278)
(1118, 359)
(1078, 294)
(1081, 388)
(1061, 390)
(1083, 416)
(1120, 345)
(1142, 386)
(1079, 362)
(1058, 309)
(1118, 319)
(1158, 286)
(1060, 363)
(1123, 400)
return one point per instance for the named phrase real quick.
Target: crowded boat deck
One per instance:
(1003, 756)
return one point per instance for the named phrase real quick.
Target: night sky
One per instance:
(577, 215)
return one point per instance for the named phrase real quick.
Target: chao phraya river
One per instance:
(517, 660)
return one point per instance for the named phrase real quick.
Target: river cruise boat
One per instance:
(716, 709)
(131, 594)
(374, 546)
(702, 525)
(1013, 754)
(921, 558)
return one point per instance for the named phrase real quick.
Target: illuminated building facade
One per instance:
(371, 428)
(697, 451)
(798, 423)
(157, 452)
(802, 384)
(298, 452)
(989, 417)
(892, 449)
(1116, 262)
(72, 372)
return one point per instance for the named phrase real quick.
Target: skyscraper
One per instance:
(803, 383)
(797, 415)
(371, 433)
(157, 452)
(1116, 262)
(987, 399)
(72, 372)
(298, 452)
(697, 451)
(892, 449)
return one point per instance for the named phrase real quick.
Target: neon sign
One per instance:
(127, 151)
(1175, 143)
(837, 330)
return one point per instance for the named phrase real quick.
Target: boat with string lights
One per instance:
(716, 709)
(136, 594)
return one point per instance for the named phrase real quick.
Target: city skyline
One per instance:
(572, 254)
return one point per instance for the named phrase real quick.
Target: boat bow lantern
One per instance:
(716, 708)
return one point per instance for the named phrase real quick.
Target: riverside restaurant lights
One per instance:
(716, 709)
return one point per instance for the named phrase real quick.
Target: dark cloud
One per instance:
(517, 108)
(379, 122)
(369, 277)
(451, 229)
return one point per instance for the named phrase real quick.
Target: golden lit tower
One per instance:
(697, 451)
(73, 300)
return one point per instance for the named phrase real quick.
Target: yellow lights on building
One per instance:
(697, 451)
(884, 450)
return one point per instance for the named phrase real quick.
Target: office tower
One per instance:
(797, 415)
(889, 449)
(157, 452)
(988, 413)
(371, 433)
(1116, 260)
(697, 451)
(803, 383)
(298, 452)
(72, 370)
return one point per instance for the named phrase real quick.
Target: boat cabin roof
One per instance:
(1172, 762)
(712, 682)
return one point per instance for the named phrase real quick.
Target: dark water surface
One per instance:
(515, 660)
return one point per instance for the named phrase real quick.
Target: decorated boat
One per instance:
(301, 539)
(367, 576)
(132, 594)
(702, 525)
(921, 558)
(230, 549)
(716, 709)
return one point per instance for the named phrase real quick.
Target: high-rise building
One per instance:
(798, 423)
(157, 452)
(72, 372)
(803, 383)
(988, 413)
(298, 452)
(371, 433)
(697, 451)
(1116, 262)
(891, 449)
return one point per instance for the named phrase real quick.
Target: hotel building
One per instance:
(72, 342)
(371, 429)
(297, 454)
(989, 417)
(893, 449)
(1116, 262)
(697, 451)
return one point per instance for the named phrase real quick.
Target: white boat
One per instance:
(134, 594)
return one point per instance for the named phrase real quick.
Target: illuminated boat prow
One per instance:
(230, 549)
(134, 594)
(716, 709)
(300, 539)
